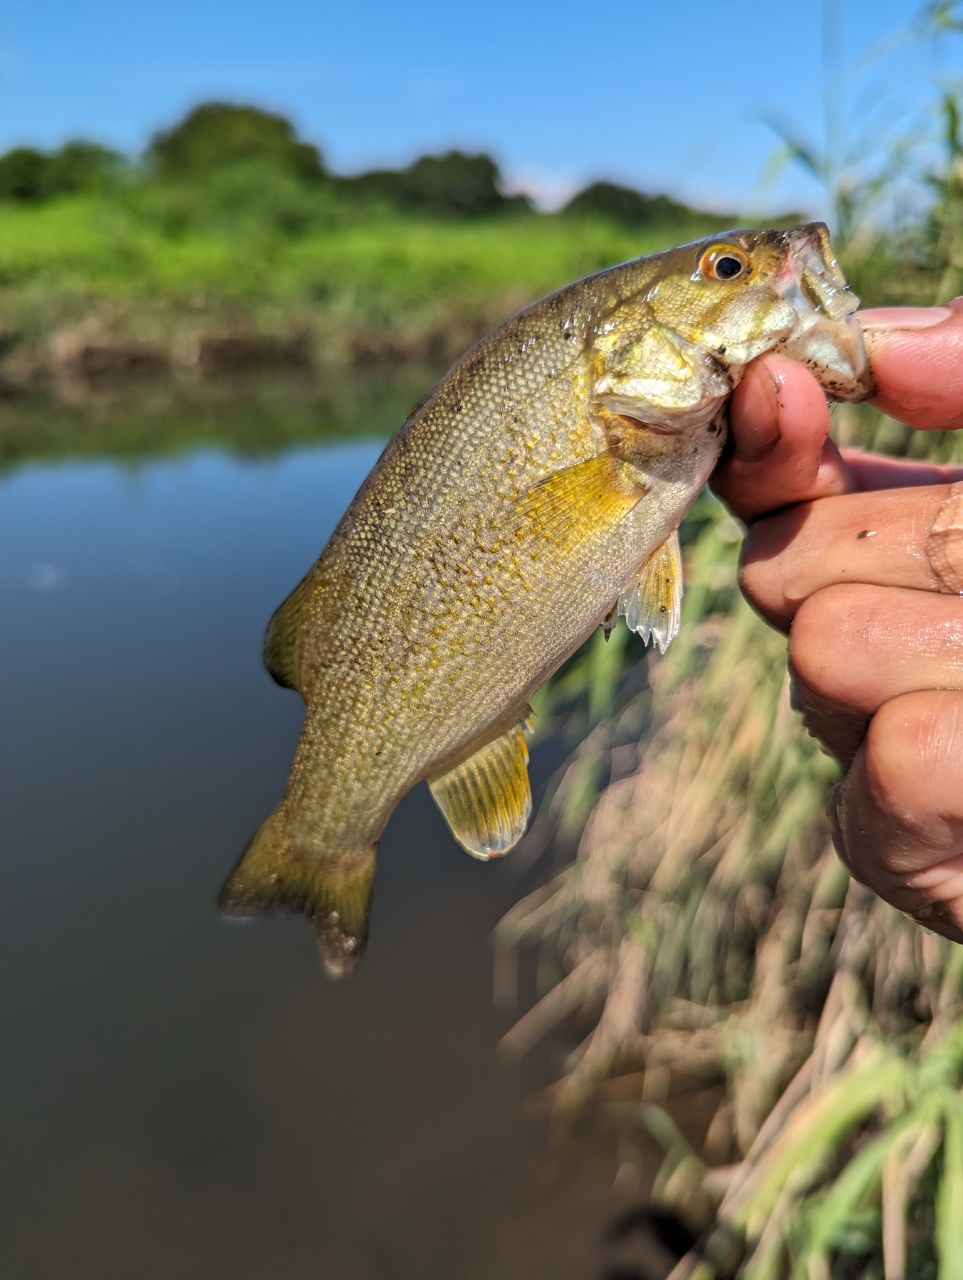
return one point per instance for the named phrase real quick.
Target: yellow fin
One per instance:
(580, 500)
(487, 799)
(278, 872)
(284, 637)
(652, 602)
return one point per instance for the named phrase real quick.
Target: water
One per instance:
(183, 1096)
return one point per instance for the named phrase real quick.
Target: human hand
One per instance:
(842, 553)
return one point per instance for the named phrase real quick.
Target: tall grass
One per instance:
(717, 948)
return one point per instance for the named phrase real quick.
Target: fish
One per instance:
(532, 496)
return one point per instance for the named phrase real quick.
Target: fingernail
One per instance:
(759, 417)
(903, 317)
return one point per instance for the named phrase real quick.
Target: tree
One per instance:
(216, 134)
(28, 174)
(454, 183)
(23, 174)
(625, 205)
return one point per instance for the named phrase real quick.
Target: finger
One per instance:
(860, 646)
(869, 538)
(839, 729)
(874, 471)
(853, 648)
(779, 452)
(898, 814)
(916, 357)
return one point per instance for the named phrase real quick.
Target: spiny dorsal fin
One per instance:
(579, 501)
(652, 602)
(277, 872)
(284, 637)
(487, 799)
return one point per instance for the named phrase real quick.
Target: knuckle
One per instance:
(828, 627)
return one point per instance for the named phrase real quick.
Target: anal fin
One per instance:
(652, 602)
(487, 799)
(279, 872)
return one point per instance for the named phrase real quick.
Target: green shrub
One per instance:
(452, 184)
(220, 133)
(28, 174)
(625, 205)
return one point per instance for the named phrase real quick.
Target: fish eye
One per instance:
(723, 262)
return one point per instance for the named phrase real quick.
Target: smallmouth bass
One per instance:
(533, 495)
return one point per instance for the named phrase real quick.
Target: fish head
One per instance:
(670, 351)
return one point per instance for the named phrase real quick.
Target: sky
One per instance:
(664, 96)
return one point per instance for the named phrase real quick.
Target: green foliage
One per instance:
(625, 206)
(232, 229)
(215, 134)
(23, 174)
(454, 184)
(153, 264)
(27, 174)
(720, 941)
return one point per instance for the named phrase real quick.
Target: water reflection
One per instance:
(256, 414)
(180, 1096)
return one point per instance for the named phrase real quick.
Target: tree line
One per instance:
(218, 136)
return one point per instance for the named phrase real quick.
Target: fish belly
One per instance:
(415, 678)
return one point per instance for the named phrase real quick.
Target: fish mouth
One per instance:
(826, 337)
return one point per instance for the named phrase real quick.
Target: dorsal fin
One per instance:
(652, 602)
(487, 799)
(284, 638)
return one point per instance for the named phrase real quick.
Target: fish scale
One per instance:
(524, 498)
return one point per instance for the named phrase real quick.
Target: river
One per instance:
(181, 1095)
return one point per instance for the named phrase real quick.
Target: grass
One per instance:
(153, 267)
(709, 942)
(717, 941)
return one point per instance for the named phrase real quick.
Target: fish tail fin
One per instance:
(278, 872)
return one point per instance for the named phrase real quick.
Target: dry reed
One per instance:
(709, 923)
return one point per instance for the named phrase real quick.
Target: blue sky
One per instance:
(665, 96)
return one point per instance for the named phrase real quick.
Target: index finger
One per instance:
(916, 356)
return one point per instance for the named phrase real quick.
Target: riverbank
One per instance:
(129, 283)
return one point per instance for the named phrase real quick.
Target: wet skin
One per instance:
(835, 556)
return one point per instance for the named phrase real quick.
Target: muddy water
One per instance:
(182, 1096)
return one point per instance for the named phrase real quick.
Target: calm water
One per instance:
(179, 1095)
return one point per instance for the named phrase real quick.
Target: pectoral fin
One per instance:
(579, 501)
(487, 799)
(652, 602)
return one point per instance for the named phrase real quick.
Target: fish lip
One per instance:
(826, 337)
(815, 234)
(810, 274)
